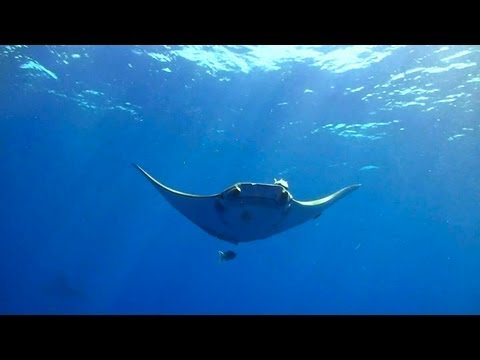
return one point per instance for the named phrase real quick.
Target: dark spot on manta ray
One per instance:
(317, 216)
(246, 216)
(219, 207)
(283, 197)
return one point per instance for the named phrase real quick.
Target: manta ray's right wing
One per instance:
(327, 201)
(303, 211)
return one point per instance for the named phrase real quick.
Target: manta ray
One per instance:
(247, 211)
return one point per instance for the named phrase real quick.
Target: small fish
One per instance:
(369, 167)
(226, 255)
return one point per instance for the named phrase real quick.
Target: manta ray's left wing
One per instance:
(202, 210)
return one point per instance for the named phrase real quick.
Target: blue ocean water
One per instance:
(82, 232)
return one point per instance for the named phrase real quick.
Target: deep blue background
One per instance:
(82, 232)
